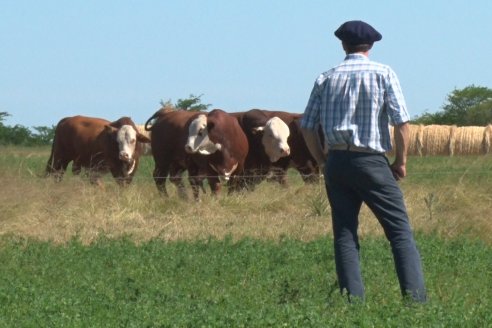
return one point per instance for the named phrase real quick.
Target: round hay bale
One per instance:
(414, 140)
(452, 136)
(436, 140)
(415, 144)
(487, 139)
(145, 146)
(469, 140)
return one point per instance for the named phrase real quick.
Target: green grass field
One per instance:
(74, 255)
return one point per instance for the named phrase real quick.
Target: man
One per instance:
(354, 103)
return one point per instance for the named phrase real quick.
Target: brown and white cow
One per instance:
(207, 145)
(300, 157)
(98, 146)
(268, 142)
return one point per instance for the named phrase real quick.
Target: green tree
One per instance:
(480, 114)
(462, 102)
(3, 115)
(4, 131)
(192, 103)
(44, 135)
(469, 106)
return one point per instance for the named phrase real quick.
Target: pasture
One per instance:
(78, 255)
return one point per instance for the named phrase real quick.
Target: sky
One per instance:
(113, 58)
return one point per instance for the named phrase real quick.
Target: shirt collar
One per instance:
(356, 56)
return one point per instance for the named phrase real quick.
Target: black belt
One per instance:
(354, 149)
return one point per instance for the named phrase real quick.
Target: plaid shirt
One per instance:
(354, 102)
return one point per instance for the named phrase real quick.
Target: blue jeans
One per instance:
(351, 179)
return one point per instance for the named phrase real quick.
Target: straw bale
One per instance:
(469, 140)
(415, 144)
(414, 140)
(436, 140)
(145, 146)
(452, 136)
(447, 140)
(487, 139)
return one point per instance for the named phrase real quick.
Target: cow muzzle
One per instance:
(128, 163)
(282, 152)
(125, 157)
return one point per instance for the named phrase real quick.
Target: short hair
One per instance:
(353, 48)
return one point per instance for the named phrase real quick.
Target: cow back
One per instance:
(169, 133)
(78, 138)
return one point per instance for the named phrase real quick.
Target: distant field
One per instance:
(448, 196)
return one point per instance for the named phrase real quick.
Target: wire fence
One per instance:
(273, 176)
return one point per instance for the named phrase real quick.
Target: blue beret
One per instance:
(357, 32)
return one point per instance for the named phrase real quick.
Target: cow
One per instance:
(300, 157)
(268, 142)
(220, 138)
(207, 145)
(97, 145)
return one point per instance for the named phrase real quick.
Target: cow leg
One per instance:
(241, 183)
(160, 176)
(309, 173)
(196, 176)
(252, 178)
(195, 180)
(214, 184)
(57, 167)
(76, 168)
(176, 178)
(95, 177)
(196, 184)
(122, 181)
(278, 174)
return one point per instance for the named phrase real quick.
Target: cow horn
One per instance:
(110, 128)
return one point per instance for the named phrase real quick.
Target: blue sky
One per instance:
(108, 58)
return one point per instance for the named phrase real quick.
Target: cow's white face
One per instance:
(127, 140)
(198, 140)
(274, 139)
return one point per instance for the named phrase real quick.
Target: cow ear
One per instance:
(142, 138)
(258, 130)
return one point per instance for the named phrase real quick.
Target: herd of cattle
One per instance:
(241, 149)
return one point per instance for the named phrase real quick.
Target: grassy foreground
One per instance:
(79, 256)
(249, 283)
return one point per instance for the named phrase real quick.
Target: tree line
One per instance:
(21, 135)
(470, 106)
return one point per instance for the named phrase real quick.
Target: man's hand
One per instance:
(399, 170)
